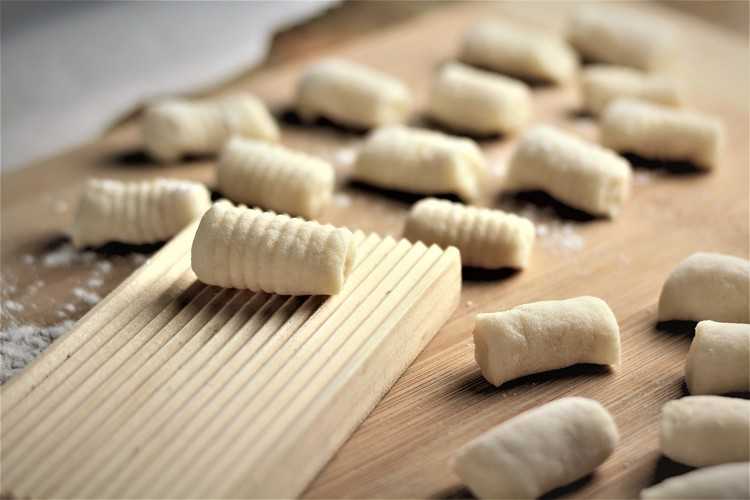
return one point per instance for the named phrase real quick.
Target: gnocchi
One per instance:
(602, 84)
(719, 358)
(729, 481)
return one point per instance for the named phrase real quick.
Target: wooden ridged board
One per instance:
(172, 389)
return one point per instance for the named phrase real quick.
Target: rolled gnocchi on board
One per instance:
(421, 162)
(519, 52)
(539, 450)
(707, 286)
(623, 37)
(719, 358)
(547, 335)
(486, 238)
(706, 430)
(351, 94)
(479, 102)
(726, 481)
(274, 178)
(578, 173)
(176, 127)
(136, 212)
(238, 247)
(662, 133)
(603, 84)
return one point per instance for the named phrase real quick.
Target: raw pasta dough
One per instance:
(237, 247)
(518, 52)
(136, 212)
(422, 162)
(546, 335)
(176, 127)
(601, 85)
(707, 286)
(730, 481)
(581, 174)
(719, 358)
(351, 94)
(539, 450)
(662, 133)
(486, 238)
(706, 430)
(479, 102)
(274, 178)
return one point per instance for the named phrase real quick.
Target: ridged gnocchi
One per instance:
(603, 84)
(136, 212)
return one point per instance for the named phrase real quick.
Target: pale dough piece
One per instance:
(136, 212)
(486, 238)
(479, 102)
(581, 174)
(706, 430)
(662, 133)
(539, 450)
(519, 52)
(238, 247)
(351, 94)
(543, 336)
(707, 286)
(719, 358)
(730, 481)
(176, 127)
(421, 161)
(274, 178)
(618, 36)
(602, 84)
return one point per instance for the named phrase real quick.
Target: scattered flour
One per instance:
(342, 200)
(28, 259)
(345, 157)
(552, 233)
(88, 297)
(12, 305)
(94, 282)
(67, 255)
(19, 345)
(104, 266)
(138, 258)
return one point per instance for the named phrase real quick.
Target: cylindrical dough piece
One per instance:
(581, 174)
(662, 133)
(539, 450)
(602, 84)
(479, 102)
(719, 358)
(238, 247)
(706, 430)
(546, 335)
(421, 161)
(619, 36)
(486, 238)
(136, 212)
(519, 52)
(351, 94)
(176, 127)
(730, 481)
(274, 178)
(707, 286)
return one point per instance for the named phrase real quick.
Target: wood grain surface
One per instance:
(404, 448)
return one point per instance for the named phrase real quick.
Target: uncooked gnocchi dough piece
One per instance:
(422, 162)
(238, 247)
(351, 94)
(730, 481)
(707, 286)
(618, 36)
(543, 336)
(486, 238)
(539, 450)
(661, 133)
(136, 212)
(519, 52)
(274, 178)
(706, 430)
(479, 102)
(176, 127)
(719, 358)
(581, 174)
(602, 84)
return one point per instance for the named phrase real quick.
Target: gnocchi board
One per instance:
(404, 447)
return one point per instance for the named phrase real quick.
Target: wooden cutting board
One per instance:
(403, 449)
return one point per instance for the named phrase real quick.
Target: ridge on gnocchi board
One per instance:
(170, 388)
